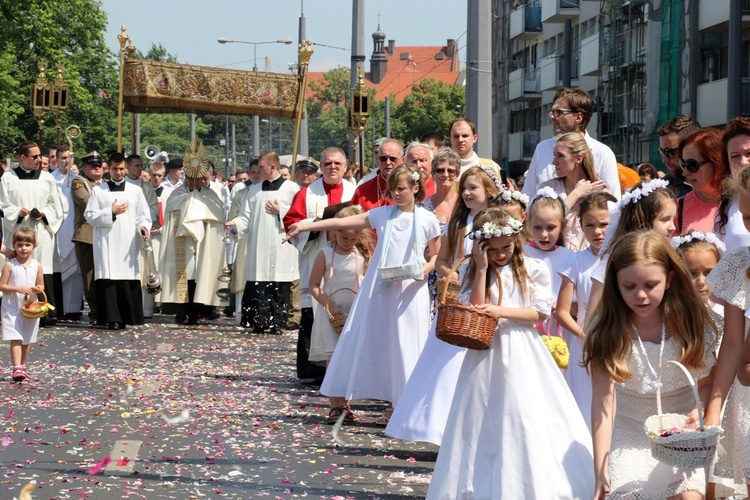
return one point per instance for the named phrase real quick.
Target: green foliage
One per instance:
(157, 53)
(327, 112)
(71, 32)
(431, 106)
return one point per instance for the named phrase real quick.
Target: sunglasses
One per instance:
(34, 157)
(557, 113)
(448, 171)
(667, 153)
(692, 165)
(385, 158)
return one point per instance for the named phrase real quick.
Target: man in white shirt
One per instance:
(463, 137)
(571, 112)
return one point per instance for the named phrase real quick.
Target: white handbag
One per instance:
(412, 270)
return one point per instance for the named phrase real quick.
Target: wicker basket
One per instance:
(337, 321)
(36, 309)
(695, 448)
(454, 289)
(465, 326)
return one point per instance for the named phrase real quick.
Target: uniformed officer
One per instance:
(92, 170)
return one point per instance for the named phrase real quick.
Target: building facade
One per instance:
(641, 61)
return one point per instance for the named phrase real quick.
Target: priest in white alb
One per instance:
(120, 216)
(29, 197)
(270, 266)
(308, 205)
(192, 252)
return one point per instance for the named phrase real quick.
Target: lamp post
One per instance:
(359, 113)
(256, 119)
(49, 97)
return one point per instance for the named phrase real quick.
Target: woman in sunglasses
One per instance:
(705, 208)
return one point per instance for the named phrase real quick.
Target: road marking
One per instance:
(123, 456)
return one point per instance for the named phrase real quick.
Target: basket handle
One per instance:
(455, 267)
(692, 386)
(331, 296)
(43, 295)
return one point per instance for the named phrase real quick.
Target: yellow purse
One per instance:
(555, 344)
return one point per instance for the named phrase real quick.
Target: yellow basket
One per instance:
(36, 309)
(695, 448)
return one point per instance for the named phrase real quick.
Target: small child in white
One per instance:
(21, 277)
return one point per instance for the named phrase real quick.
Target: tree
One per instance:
(327, 112)
(431, 106)
(70, 32)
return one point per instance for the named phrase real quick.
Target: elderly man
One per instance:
(309, 204)
(83, 233)
(29, 197)
(670, 134)
(306, 173)
(270, 267)
(371, 194)
(192, 254)
(120, 216)
(420, 155)
(571, 112)
(463, 137)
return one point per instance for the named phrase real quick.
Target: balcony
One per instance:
(714, 15)
(557, 11)
(550, 73)
(524, 85)
(589, 60)
(712, 103)
(526, 22)
(521, 145)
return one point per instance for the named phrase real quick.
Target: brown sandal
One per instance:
(334, 414)
(351, 417)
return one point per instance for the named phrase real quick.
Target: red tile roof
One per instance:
(407, 66)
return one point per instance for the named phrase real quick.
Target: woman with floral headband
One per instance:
(514, 430)
(575, 178)
(389, 319)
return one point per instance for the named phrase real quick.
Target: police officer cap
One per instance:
(307, 165)
(174, 163)
(93, 158)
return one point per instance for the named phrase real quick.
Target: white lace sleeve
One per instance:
(728, 280)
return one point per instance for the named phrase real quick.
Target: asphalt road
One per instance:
(165, 411)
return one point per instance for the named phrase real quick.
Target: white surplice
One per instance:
(117, 239)
(40, 193)
(267, 259)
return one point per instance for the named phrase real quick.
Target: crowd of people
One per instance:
(631, 268)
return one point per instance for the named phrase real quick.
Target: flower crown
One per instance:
(515, 195)
(415, 176)
(492, 230)
(646, 189)
(492, 176)
(546, 192)
(678, 241)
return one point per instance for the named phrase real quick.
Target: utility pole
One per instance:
(387, 117)
(303, 143)
(358, 50)
(567, 67)
(734, 71)
(479, 72)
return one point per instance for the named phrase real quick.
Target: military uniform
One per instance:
(83, 239)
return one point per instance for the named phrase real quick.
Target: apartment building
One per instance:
(641, 62)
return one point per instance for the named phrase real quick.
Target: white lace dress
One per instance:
(15, 325)
(728, 282)
(342, 271)
(634, 473)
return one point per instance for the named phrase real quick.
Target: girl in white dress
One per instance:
(513, 430)
(650, 313)
(21, 277)
(575, 288)
(730, 282)
(389, 320)
(423, 409)
(339, 267)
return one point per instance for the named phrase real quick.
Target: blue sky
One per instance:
(189, 28)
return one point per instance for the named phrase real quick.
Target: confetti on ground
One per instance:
(210, 411)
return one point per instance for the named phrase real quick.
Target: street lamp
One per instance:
(256, 123)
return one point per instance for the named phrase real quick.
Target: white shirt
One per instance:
(542, 170)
